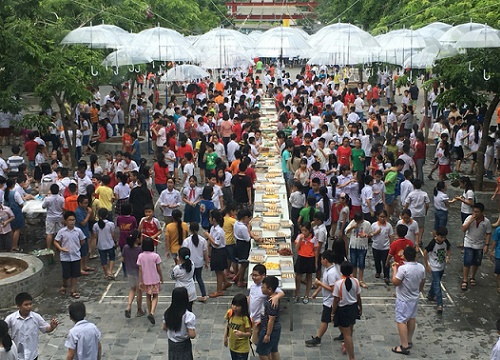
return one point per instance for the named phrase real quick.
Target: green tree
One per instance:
(471, 88)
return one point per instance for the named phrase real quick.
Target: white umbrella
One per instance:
(126, 56)
(255, 34)
(163, 44)
(99, 36)
(185, 72)
(227, 60)
(398, 45)
(224, 48)
(317, 37)
(282, 42)
(456, 32)
(342, 44)
(421, 60)
(435, 29)
(486, 37)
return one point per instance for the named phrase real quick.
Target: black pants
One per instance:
(380, 257)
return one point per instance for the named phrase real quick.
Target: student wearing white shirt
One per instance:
(406, 187)
(170, 199)
(25, 325)
(347, 305)
(441, 200)
(417, 202)
(330, 276)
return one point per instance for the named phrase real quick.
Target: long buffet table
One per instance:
(271, 220)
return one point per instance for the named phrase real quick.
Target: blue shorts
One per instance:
(358, 257)
(497, 266)
(84, 248)
(85, 140)
(473, 257)
(105, 254)
(389, 198)
(272, 345)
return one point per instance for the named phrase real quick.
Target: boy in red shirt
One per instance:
(31, 146)
(398, 246)
(237, 129)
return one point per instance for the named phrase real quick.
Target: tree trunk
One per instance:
(68, 122)
(126, 110)
(484, 142)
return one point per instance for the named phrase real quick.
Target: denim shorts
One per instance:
(389, 198)
(272, 345)
(440, 219)
(105, 254)
(472, 257)
(358, 257)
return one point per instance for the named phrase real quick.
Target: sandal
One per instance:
(363, 285)
(84, 273)
(93, 256)
(305, 300)
(472, 282)
(89, 269)
(402, 350)
(75, 295)
(464, 285)
(62, 290)
(110, 277)
(410, 345)
(498, 290)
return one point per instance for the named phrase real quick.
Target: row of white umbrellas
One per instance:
(336, 44)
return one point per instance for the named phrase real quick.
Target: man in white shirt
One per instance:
(358, 107)
(338, 109)
(418, 203)
(409, 280)
(170, 199)
(232, 146)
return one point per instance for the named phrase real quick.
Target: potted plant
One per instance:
(454, 178)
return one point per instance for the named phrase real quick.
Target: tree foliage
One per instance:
(472, 89)
(382, 16)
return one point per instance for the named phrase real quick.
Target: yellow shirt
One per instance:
(172, 233)
(96, 205)
(228, 228)
(106, 196)
(241, 323)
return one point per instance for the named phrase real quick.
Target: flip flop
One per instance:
(75, 295)
(402, 350)
(62, 290)
(84, 273)
(305, 300)
(89, 269)
(472, 282)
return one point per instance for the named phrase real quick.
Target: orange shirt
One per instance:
(127, 142)
(498, 115)
(307, 246)
(94, 115)
(235, 167)
(219, 86)
(71, 203)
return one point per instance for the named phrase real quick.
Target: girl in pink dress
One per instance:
(150, 275)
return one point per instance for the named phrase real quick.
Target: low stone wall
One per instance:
(30, 280)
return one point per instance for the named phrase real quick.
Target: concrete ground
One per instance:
(466, 329)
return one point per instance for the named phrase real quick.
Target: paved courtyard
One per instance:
(464, 331)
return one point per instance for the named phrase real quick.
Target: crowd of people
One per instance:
(354, 174)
